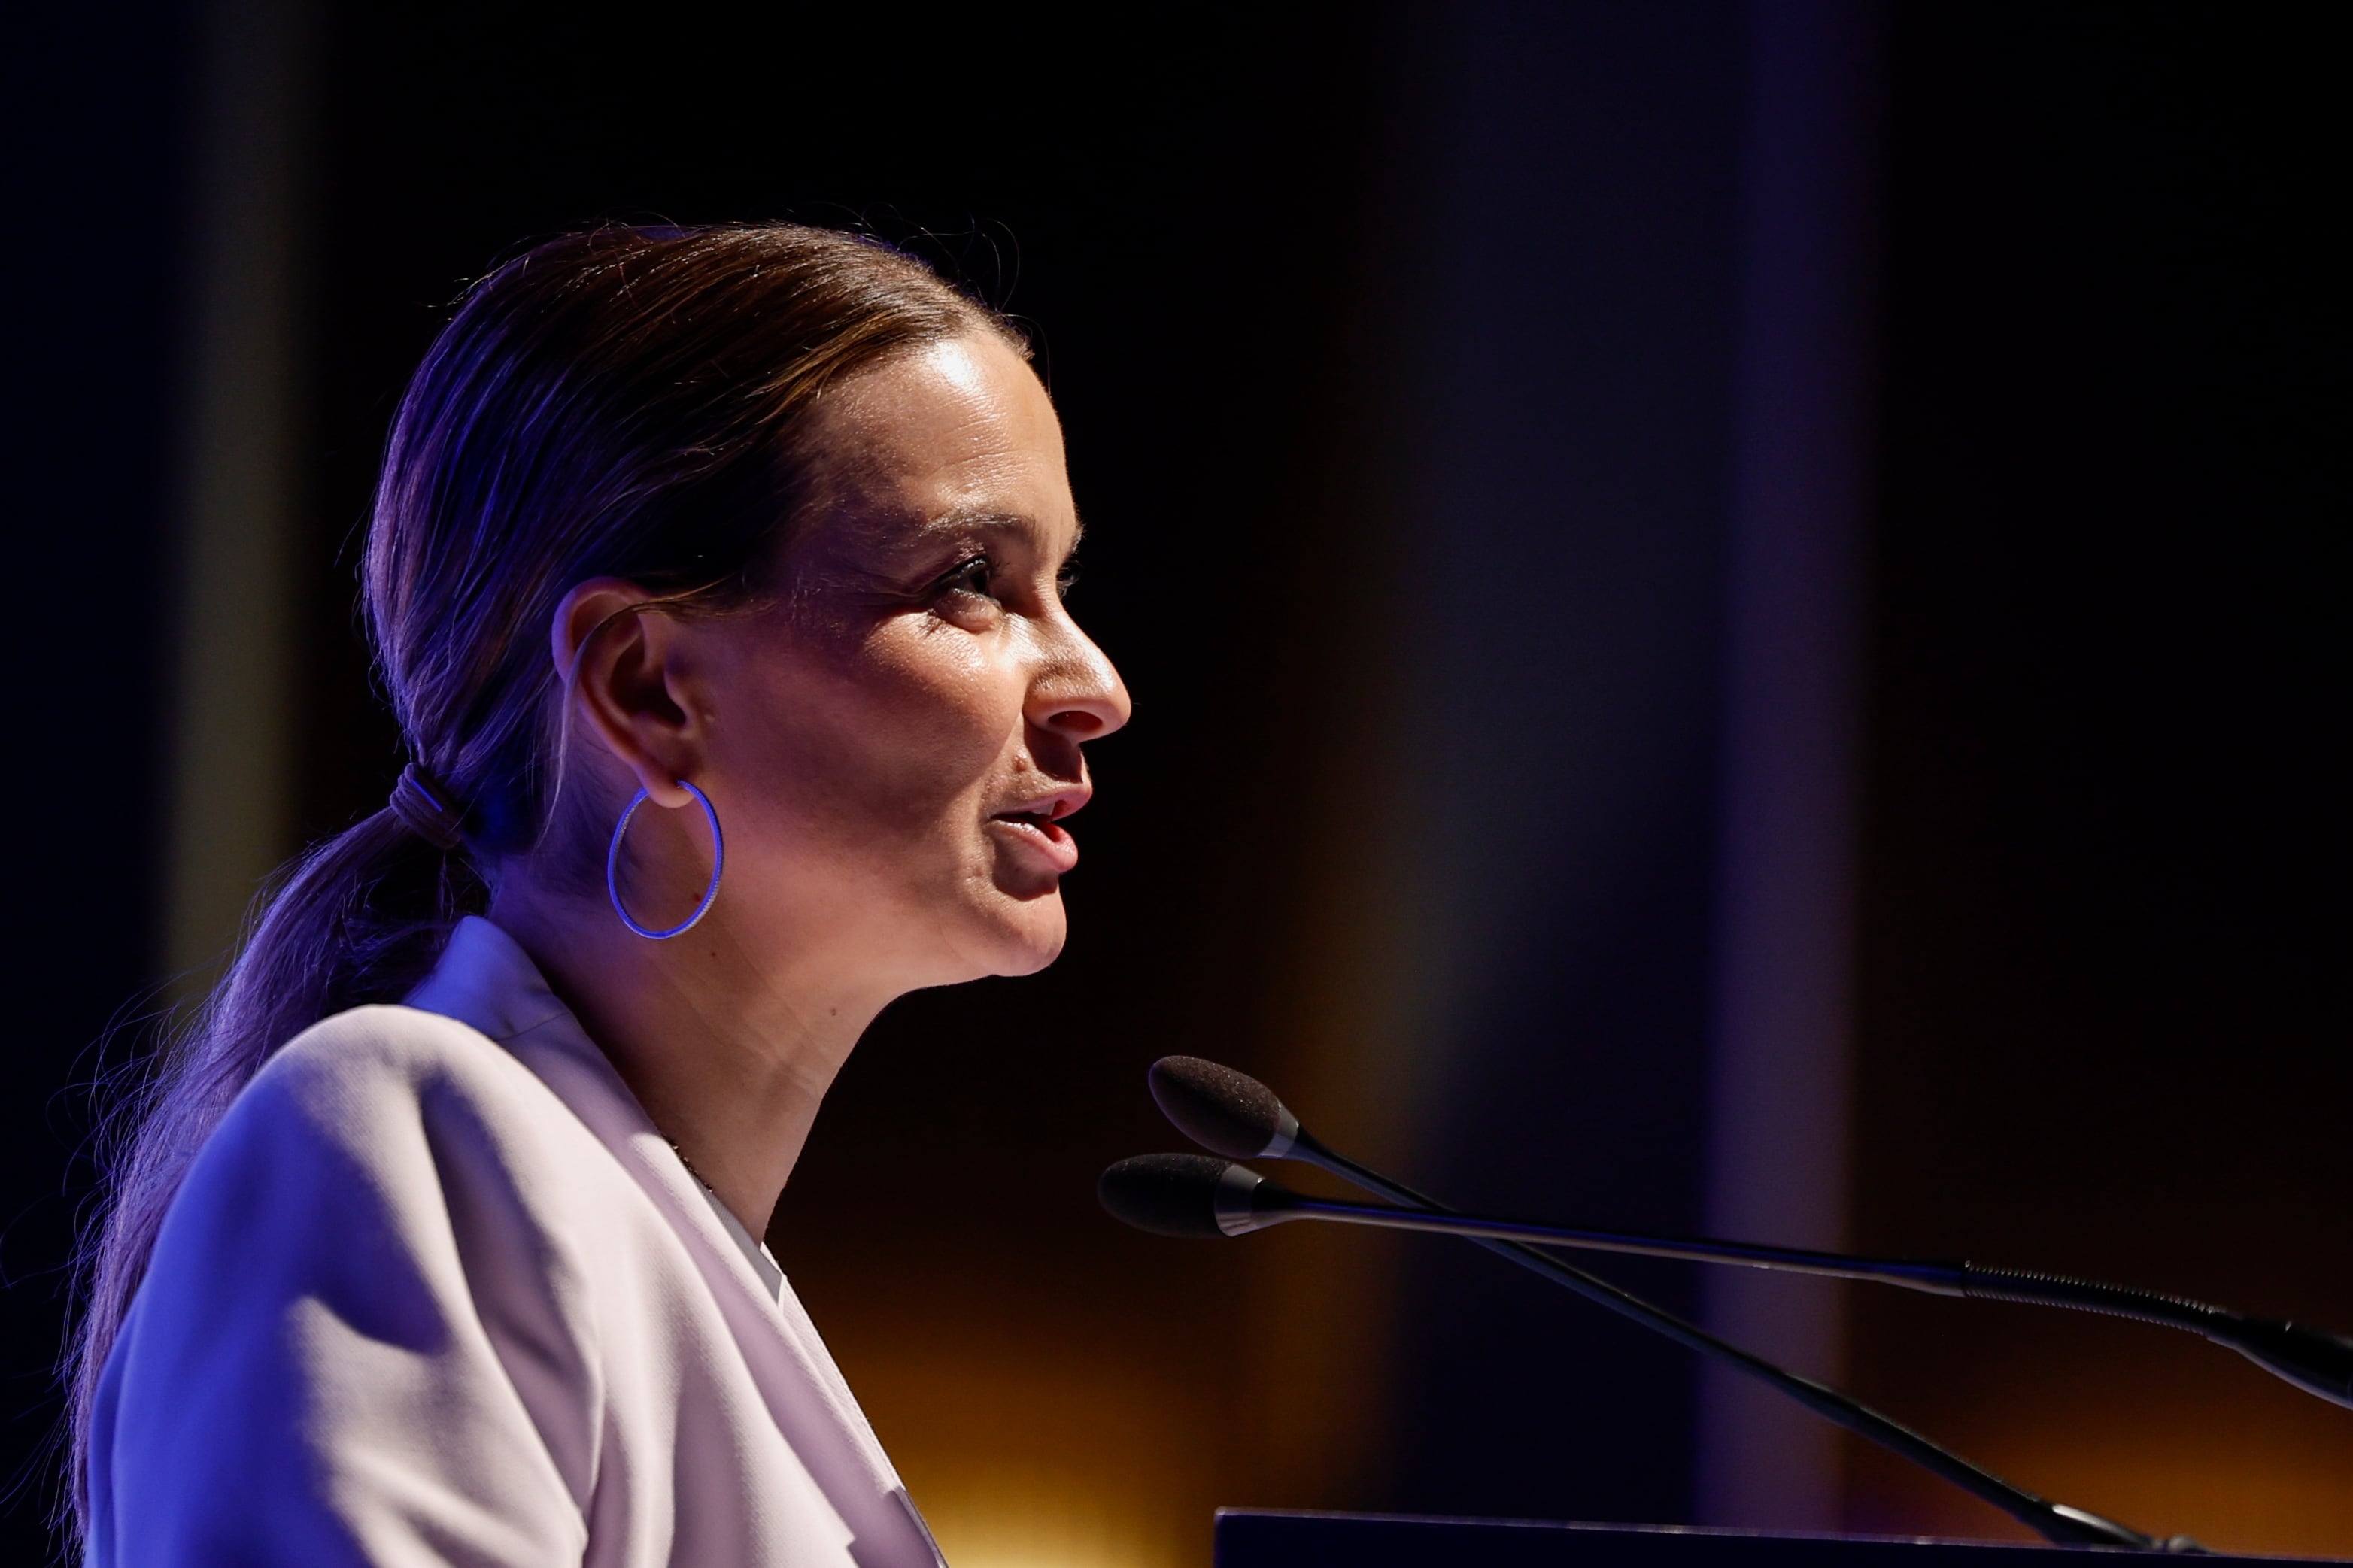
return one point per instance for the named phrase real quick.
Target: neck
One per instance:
(729, 1056)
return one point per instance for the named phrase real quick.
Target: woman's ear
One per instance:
(619, 657)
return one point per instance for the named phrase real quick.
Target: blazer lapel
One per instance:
(486, 980)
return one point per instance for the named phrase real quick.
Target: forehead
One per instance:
(960, 429)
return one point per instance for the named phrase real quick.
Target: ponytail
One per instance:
(359, 919)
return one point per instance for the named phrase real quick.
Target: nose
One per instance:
(1078, 695)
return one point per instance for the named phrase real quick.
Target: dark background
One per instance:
(2102, 972)
(1328, 302)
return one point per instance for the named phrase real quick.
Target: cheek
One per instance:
(887, 738)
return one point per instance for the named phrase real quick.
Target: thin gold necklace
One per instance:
(689, 1164)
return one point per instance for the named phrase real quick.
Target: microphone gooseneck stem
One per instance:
(2315, 1360)
(2054, 1522)
(1936, 1278)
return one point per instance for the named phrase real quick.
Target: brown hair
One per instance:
(624, 401)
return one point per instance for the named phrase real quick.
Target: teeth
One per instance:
(1041, 818)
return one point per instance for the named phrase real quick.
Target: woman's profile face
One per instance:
(896, 744)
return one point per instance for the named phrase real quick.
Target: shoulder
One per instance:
(369, 1314)
(388, 1112)
(359, 1068)
(389, 1166)
(387, 1043)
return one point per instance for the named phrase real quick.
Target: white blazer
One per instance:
(436, 1292)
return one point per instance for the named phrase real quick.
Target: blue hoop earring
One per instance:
(613, 864)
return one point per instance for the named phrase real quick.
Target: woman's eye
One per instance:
(1065, 580)
(971, 577)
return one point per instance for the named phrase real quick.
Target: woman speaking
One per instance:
(715, 579)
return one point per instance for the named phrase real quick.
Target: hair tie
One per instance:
(424, 806)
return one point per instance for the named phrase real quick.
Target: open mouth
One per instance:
(1040, 834)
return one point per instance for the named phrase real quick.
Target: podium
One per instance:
(1248, 1538)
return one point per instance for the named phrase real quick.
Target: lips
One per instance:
(1035, 829)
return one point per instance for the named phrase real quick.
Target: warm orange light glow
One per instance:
(2168, 1435)
(1044, 1455)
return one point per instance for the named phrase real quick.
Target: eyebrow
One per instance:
(998, 522)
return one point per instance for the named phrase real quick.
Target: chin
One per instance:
(1028, 935)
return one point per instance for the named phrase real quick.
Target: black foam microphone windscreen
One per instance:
(1221, 1110)
(1169, 1194)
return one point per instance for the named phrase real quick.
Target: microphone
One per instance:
(1240, 1201)
(1235, 1115)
